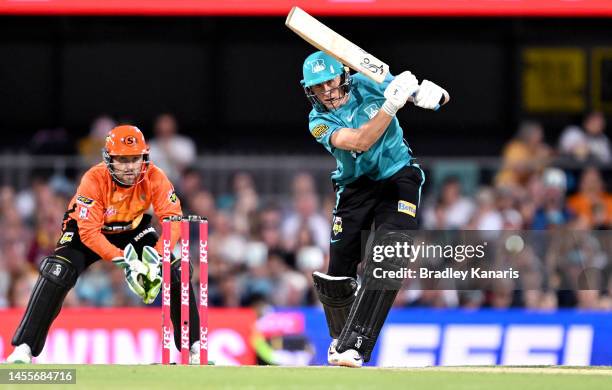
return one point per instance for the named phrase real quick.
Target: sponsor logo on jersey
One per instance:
(371, 110)
(337, 228)
(109, 212)
(143, 233)
(406, 208)
(172, 196)
(320, 130)
(84, 201)
(66, 237)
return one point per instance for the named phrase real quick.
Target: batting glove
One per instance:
(429, 96)
(398, 91)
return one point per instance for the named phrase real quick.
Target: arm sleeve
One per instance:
(165, 204)
(89, 214)
(322, 130)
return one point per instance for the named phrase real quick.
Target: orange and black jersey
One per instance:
(101, 206)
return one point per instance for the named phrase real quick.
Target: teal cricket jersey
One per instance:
(387, 156)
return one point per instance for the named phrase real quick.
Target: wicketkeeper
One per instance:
(377, 182)
(106, 220)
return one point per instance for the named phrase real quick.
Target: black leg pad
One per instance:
(57, 277)
(337, 294)
(374, 299)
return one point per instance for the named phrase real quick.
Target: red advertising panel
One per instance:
(317, 7)
(130, 336)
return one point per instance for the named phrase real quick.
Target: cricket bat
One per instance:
(334, 44)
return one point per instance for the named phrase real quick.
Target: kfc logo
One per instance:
(166, 250)
(203, 251)
(185, 294)
(185, 251)
(185, 336)
(167, 337)
(204, 338)
(166, 294)
(203, 294)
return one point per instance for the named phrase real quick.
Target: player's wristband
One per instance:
(390, 108)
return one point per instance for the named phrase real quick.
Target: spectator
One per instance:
(201, 203)
(170, 151)
(290, 287)
(506, 204)
(191, 182)
(525, 155)
(303, 182)
(21, 288)
(593, 205)
(486, 217)
(588, 143)
(553, 212)
(244, 202)
(90, 147)
(306, 215)
(268, 227)
(597, 141)
(452, 211)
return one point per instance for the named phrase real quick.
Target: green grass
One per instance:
(284, 378)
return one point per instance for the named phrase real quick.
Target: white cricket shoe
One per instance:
(331, 352)
(348, 358)
(194, 353)
(21, 354)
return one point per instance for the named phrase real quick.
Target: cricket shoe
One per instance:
(194, 353)
(348, 358)
(21, 354)
(331, 352)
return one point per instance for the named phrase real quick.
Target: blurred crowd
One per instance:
(265, 252)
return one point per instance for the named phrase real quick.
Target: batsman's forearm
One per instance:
(371, 131)
(362, 138)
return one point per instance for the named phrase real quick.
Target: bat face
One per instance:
(334, 44)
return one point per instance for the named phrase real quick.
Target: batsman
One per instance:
(106, 220)
(377, 184)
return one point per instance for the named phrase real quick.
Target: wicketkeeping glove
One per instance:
(398, 91)
(153, 280)
(135, 270)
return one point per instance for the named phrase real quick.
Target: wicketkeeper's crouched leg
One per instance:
(175, 306)
(57, 276)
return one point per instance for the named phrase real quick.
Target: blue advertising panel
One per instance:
(428, 337)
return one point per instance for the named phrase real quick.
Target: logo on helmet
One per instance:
(317, 65)
(130, 140)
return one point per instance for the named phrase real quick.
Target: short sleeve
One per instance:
(322, 129)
